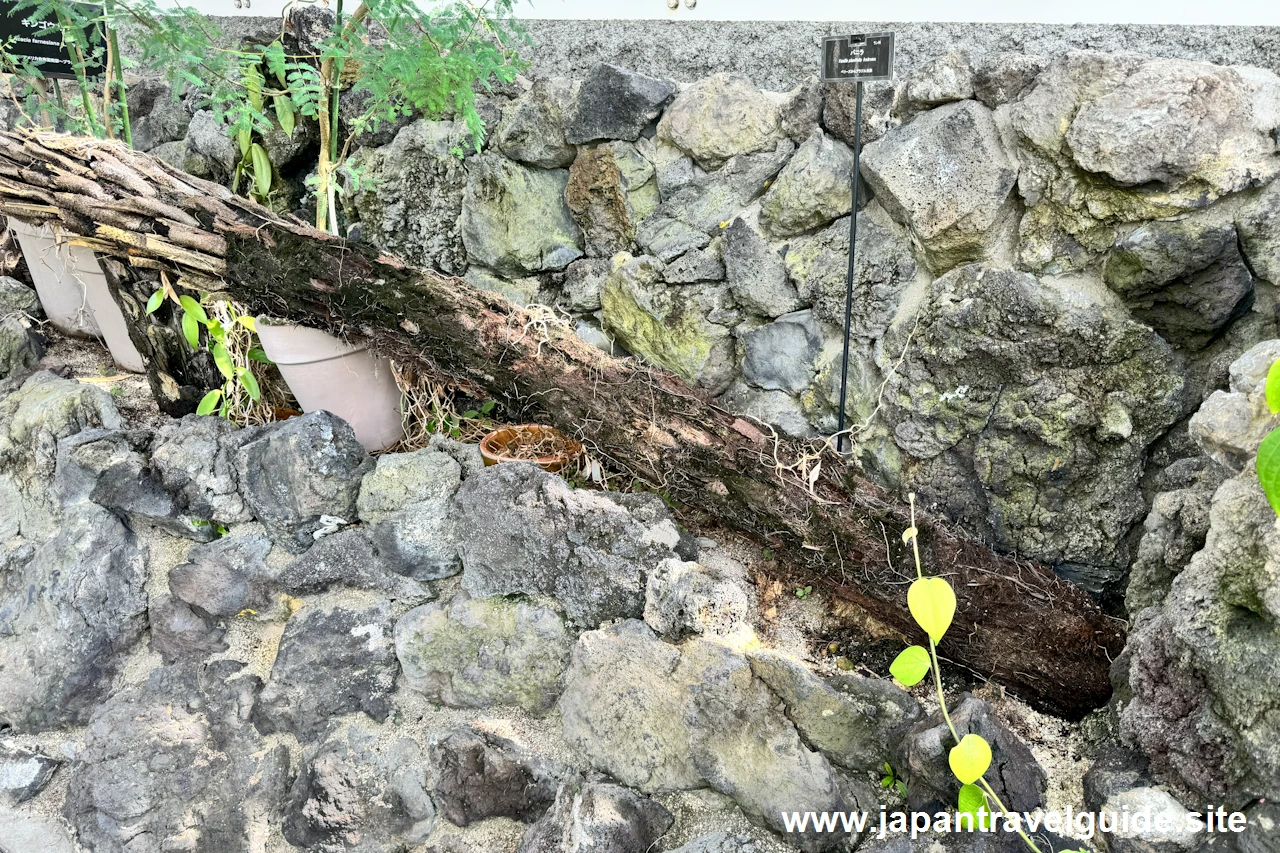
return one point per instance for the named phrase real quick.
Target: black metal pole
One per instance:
(841, 445)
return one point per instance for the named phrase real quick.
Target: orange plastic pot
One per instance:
(495, 447)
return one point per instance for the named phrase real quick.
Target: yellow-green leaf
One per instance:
(248, 322)
(222, 359)
(191, 330)
(1268, 466)
(970, 758)
(261, 170)
(933, 605)
(285, 114)
(154, 303)
(911, 666)
(909, 534)
(209, 402)
(244, 137)
(195, 309)
(973, 800)
(250, 383)
(1273, 387)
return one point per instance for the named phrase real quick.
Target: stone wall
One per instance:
(1058, 260)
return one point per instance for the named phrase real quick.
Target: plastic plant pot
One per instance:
(343, 378)
(73, 292)
(497, 446)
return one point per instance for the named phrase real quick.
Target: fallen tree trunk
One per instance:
(1017, 622)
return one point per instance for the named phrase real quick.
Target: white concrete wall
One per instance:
(1233, 12)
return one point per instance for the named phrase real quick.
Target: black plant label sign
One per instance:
(38, 40)
(857, 58)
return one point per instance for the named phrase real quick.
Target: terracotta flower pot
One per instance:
(339, 377)
(502, 445)
(73, 292)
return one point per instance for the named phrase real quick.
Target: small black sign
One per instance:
(20, 36)
(857, 58)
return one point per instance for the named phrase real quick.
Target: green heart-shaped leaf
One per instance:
(933, 605)
(970, 758)
(209, 402)
(911, 666)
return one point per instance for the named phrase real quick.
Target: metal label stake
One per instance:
(856, 58)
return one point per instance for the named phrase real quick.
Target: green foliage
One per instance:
(802, 592)
(910, 666)
(932, 603)
(890, 781)
(198, 327)
(1268, 462)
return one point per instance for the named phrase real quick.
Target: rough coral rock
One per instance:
(948, 177)
(332, 661)
(514, 219)
(615, 103)
(404, 501)
(411, 199)
(532, 129)
(719, 117)
(477, 653)
(299, 472)
(593, 552)
(477, 775)
(812, 190)
(611, 190)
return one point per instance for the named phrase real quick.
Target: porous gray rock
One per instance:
(1184, 277)
(60, 650)
(20, 347)
(190, 723)
(124, 482)
(614, 103)
(514, 219)
(481, 652)
(299, 471)
(673, 326)
(195, 460)
(208, 138)
(24, 773)
(1205, 736)
(405, 502)
(719, 842)
(719, 117)
(939, 81)
(695, 266)
(713, 597)
(756, 273)
(476, 775)
(332, 661)
(521, 292)
(801, 110)
(33, 419)
(1118, 782)
(411, 200)
(1002, 78)
(776, 408)
(597, 817)
(156, 117)
(532, 129)
(1231, 423)
(922, 757)
(779, 356)
(812, 190)
(883, 268)
(948, 178)
(611, 189)
(18, 298)
(349, 559)
(690, 215)
(839, 109)
(851, 720)
(659, 717)
(225, 577)
(593, 551)
(1203, 110)
(987, 384)
(583, 281)
(180, 633)
(1258, 224)
(353, 794)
